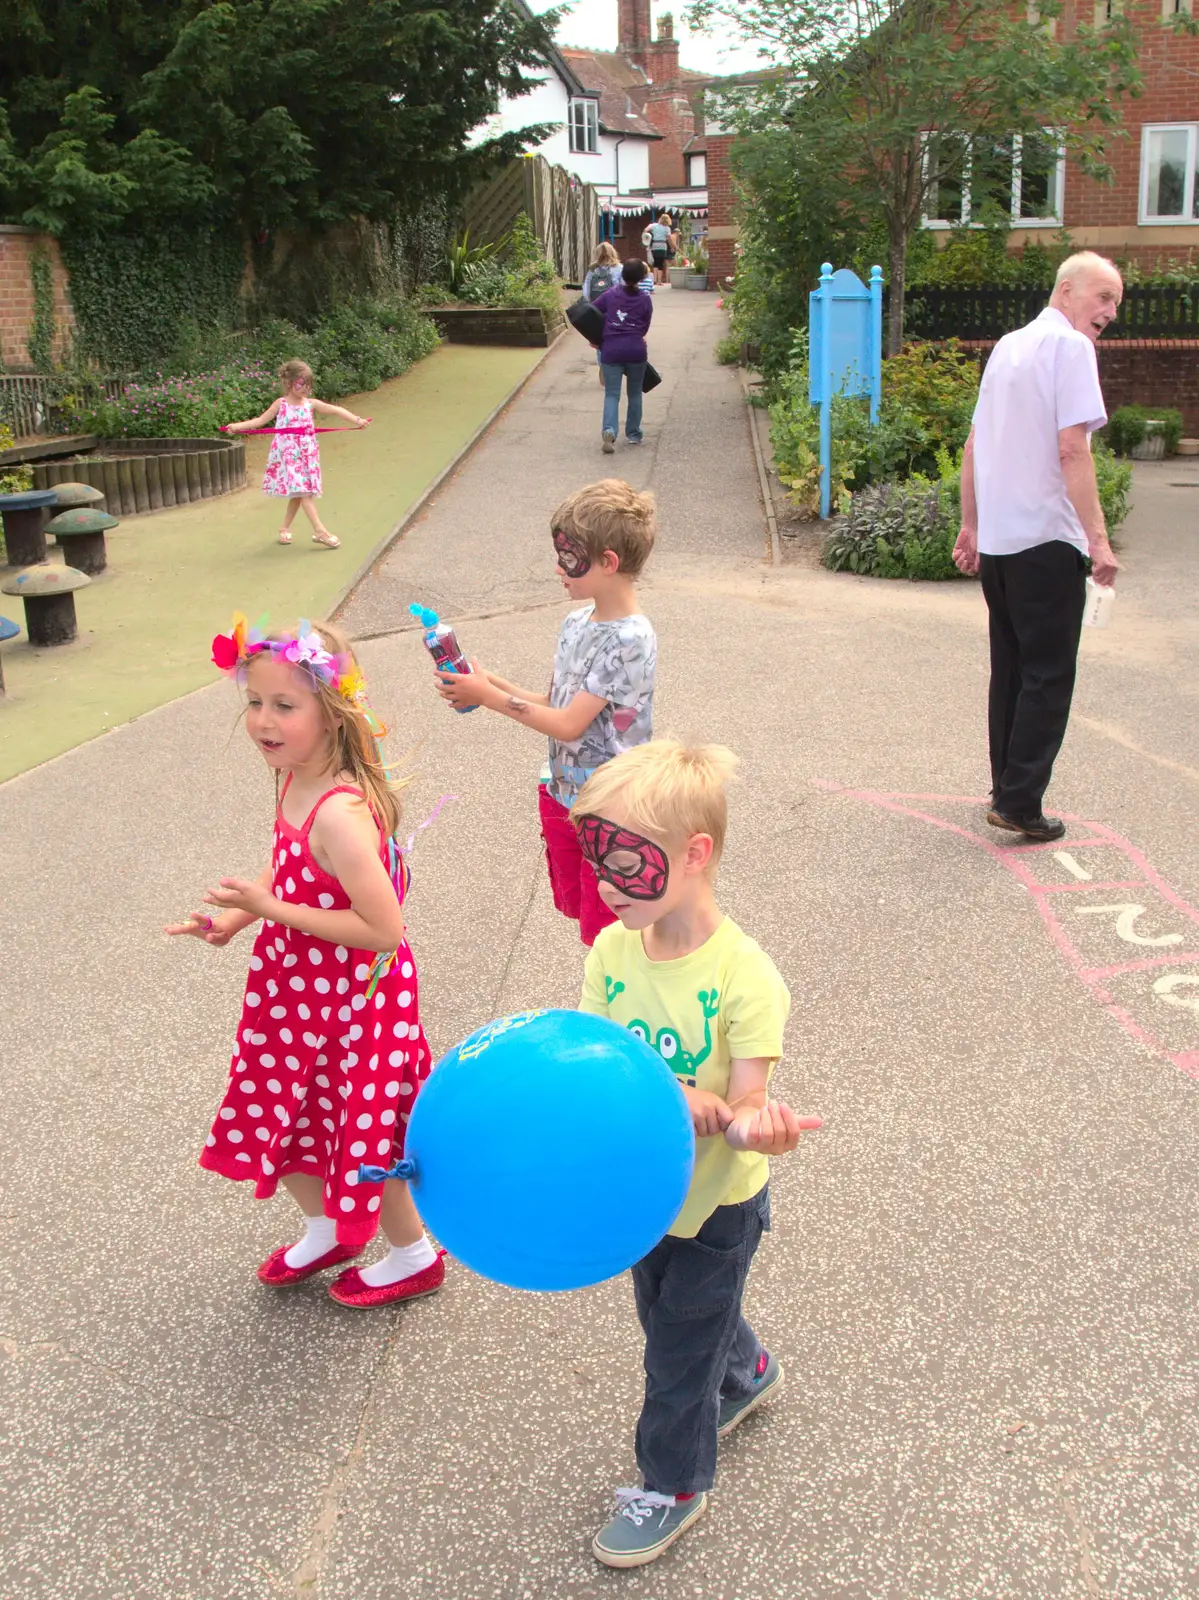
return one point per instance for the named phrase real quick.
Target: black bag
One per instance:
(652, 378)
(583, 316)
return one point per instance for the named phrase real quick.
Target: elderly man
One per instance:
(1030, 519)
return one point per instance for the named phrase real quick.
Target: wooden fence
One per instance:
(1148, 312)
(32, 403)
(564, 212)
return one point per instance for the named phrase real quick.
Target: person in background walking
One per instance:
(662, 240)
(603, 274)
(623, 354)
(1031, 517)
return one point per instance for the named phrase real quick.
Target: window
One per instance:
(611, 225)
(1169, 157)
(1107, 11)
(584, 126)
(1017, 180)
(697, 171)
(1176, 8)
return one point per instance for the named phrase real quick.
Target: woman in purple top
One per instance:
(627, 316)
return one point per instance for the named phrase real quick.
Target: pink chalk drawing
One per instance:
(1111, 884)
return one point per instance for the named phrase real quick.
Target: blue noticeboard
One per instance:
(845, 350)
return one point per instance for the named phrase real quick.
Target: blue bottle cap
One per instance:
(427, 618)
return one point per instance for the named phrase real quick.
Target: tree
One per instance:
(896, 101)
(265, 113)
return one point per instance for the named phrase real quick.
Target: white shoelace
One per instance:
(640, 1504)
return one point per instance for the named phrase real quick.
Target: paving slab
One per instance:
(980, 1277)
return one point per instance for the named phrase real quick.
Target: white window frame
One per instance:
(692, 181)
(1176, 8)
(1149, 219)
(583, 122)
(1016, 220)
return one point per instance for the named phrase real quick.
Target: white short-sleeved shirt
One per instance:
(1039, 380)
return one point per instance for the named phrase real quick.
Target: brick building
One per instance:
(632, 125)
(1149, 214)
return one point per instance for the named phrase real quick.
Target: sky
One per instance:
(593, 22)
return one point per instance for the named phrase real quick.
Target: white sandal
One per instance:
(284, 535)
(329, 540)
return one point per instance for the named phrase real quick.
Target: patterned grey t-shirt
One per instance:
(616, 661)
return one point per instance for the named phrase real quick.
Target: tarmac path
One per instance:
(981, 1278)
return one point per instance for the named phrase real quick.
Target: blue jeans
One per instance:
(634, 372)
(698, 1346)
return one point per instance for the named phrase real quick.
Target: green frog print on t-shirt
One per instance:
(667, 1042)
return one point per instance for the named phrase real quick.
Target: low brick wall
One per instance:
(514, 325)
(1143, 372)
(139, 475)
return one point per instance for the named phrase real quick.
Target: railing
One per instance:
(32, 403)
(988, 313)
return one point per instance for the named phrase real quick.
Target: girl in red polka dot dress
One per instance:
(330, 1050)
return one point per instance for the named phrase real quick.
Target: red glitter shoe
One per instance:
(348, 1288)
(276, 1273)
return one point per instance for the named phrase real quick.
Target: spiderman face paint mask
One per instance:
(633, 865)
(572, 558)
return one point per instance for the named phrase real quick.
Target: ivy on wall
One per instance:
(43, 330)
(137, 296)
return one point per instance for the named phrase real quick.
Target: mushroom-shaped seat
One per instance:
(8, 630)
(72, 495)
(80, 534)
(23, 516)
(49, 596)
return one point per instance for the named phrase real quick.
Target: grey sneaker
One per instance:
(738, 1407)
(645, 1524)
(609, 444)
(637, 440)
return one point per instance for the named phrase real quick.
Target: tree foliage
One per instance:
(269, 114)
(877, 101)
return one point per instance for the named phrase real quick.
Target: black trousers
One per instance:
(1035, 600)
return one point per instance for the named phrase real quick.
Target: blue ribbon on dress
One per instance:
(403, 1168)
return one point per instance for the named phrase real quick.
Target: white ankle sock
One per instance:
(320, 1234)
(401, 1261)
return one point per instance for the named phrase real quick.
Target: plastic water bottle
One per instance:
(442, 644)
(1097, 608)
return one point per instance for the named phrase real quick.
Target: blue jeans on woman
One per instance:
(634, 373)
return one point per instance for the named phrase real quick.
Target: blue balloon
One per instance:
(550, 1150)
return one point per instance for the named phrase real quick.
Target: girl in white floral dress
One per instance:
(293, 469)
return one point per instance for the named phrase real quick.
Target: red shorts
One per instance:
(572, 877)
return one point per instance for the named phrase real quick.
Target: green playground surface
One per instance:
(175, 577)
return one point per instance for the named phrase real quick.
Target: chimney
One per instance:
(662, 57)
(633, 29)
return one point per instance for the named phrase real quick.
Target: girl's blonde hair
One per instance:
(605, 256)
(356, 749)
(291, 370)
(666, 790)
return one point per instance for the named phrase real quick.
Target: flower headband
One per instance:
(232, 652)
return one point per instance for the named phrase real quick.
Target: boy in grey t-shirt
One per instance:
(600, 701)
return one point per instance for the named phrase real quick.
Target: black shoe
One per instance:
(1042, 828)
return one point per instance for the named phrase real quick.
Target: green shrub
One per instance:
(1114, 479)
(1126, 427)
(356, 348)
(896, 530)
(13, 480)
(929, 392)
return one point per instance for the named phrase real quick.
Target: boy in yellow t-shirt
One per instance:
(682, 976)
